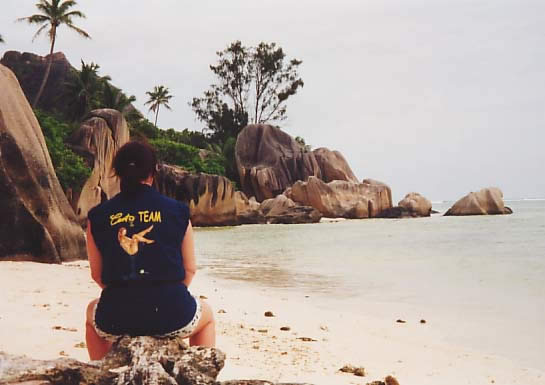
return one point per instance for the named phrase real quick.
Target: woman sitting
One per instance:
(141, 253)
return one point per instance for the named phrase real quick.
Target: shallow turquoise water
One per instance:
(480, 278)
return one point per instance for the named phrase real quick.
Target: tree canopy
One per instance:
(52, 15)
(253, 85)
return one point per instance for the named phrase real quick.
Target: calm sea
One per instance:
(481, 278)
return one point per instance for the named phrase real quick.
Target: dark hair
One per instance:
(133, 163)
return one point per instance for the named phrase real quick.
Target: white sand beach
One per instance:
(42, 316)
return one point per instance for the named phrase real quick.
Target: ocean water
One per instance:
(480, 278)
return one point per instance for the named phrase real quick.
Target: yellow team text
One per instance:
(150, 216)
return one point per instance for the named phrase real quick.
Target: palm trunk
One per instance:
(156, 116)
(47, 70)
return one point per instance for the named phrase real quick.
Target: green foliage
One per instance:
(83, 91)
(113, 97)
(187, 156)
(301, 142)
(143, 128)
(252, 85)
(193, 138)
(70, 168)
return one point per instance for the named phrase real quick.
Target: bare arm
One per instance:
(188, 253)
(95, 259)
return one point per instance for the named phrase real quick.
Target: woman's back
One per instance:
(139, 236)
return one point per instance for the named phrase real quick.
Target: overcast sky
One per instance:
(441, 97)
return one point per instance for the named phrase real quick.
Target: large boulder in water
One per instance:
(342, 199)
(488, 201)
(333, 166)
(269, 161)
(417, 204)
(97, 140)
(413, 205)
(37, 222)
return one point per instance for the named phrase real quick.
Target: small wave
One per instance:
(525, 200)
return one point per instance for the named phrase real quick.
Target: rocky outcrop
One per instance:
(488, 201)
(333, 166)
(413, 205)
(211, 198)
(283, 210)
(135, 361)
(30, 69)
(37, 222)
(269, 161)
(341, 199)
(97, 140)
(214, 202)
(248, 211)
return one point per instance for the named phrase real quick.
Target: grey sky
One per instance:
(441, 97)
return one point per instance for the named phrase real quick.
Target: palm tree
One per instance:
(113, 97)
(157, 98)
(53, 14)
(83, 90)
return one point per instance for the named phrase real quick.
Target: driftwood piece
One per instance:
(132, 361)
(140, 360)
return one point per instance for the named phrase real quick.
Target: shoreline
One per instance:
(43, 310)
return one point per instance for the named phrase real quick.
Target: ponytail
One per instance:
(133, 163)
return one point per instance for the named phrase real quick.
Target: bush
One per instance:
(187, 156)
(70, 168)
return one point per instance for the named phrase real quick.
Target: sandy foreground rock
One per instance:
(37, 222)
(43, 317)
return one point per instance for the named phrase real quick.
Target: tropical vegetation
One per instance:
(70, 168)
(252, 85)
(160, 96)
(53, 14)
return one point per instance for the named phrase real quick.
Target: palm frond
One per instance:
(39, 31)
(76, 14)
(78, 30)
(35, 19)
(65, 6)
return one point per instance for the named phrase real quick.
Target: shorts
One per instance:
(182, 332)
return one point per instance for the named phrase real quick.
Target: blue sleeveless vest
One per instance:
(139, 236)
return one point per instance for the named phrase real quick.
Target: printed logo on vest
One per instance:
(130, 244)
(120, 218)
